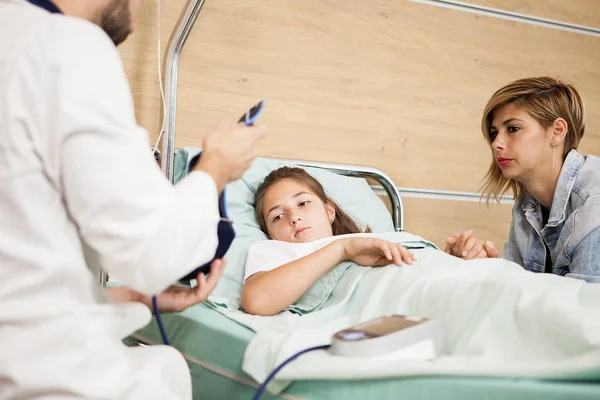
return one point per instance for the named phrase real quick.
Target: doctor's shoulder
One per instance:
(75, 40)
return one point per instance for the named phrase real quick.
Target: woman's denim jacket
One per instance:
(573, 229)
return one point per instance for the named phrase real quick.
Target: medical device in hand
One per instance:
(225, 232)
(252, 115)
(414, 337)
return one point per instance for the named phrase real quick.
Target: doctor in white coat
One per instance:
(80, 190)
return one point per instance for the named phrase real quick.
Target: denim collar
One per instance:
(562, 193)
(46, 5)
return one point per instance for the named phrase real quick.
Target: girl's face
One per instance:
(520, 144)
(293, 213)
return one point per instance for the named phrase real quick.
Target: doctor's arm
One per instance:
(136, 223)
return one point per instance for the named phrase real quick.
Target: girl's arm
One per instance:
(268, 293)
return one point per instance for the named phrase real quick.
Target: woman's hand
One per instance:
(175, 298)
(464, 245)
(374, 252)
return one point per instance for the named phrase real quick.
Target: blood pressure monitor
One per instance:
(389, 334)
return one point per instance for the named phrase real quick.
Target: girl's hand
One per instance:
(374, 252)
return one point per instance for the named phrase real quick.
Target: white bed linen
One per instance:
(499, 321)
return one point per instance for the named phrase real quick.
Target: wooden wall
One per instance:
(393, 84)
(579, 12)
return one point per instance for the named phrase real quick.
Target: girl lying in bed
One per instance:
(292, 207)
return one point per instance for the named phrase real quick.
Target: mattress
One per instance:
(214, 347)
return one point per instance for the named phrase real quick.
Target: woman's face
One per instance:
(521, 146)
(293, 213)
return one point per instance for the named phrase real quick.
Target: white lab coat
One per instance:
(79, 189)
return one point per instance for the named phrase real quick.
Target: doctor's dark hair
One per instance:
(342, 224)
(545, 99)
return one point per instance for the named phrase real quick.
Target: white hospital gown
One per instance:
(266, 255)
(80, 190)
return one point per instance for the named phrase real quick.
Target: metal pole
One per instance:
(176, 42)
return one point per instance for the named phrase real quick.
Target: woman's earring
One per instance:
(553, 145)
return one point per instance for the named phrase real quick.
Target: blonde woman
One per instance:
(533, 127)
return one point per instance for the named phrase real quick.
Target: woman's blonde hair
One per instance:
(545, 99)
(342, 224)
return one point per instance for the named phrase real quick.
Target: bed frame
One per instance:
(166, 157)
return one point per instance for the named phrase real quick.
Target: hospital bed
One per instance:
(214, 345)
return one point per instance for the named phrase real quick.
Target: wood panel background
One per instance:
(435, 220)
(393, 84)
(580, 12)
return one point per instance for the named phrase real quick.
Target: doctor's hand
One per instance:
(228, 151)
(374, 252)
(464, 245)
(178, 298)
(175, 298)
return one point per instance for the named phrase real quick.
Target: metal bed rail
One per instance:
(167, 158)
(175, 47)
(361, 171)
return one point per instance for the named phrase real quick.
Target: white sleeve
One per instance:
(144, 230)
(267, 255)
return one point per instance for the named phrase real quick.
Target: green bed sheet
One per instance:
(214, 346)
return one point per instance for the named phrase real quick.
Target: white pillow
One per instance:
(353, 195)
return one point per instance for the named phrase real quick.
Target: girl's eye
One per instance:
(493, 135)
(277, 218)
(302, 204)
(513, 129)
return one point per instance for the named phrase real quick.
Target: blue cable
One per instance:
(262, 387)
(163, 333)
